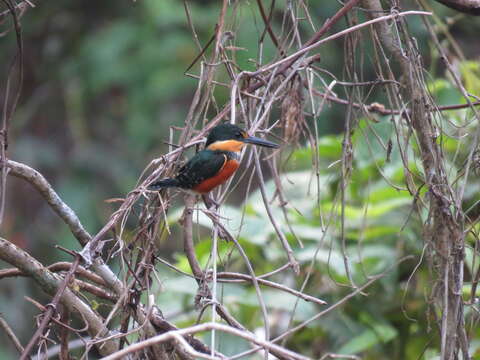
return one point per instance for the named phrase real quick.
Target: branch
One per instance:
(50, 284)
(471, 7)
(382, 110)
(71, 219)
(291, 257)
(188, 246)
(164, 326)
(59, 266)
(237, 277)
(21, 7)
(66, 214)
(257, 85)
(197, 271)
(177, 335)
(358, 290)
(51, 310)
(444, 228)
(295, 56)
(11, 335)
(45, 189)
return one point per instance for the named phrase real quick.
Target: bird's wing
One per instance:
(203, 165)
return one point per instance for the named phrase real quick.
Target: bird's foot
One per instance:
(209, 202)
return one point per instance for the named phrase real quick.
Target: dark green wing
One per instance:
(203, 165)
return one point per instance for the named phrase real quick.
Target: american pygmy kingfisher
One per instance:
(216, 163)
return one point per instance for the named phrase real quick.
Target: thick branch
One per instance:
(49, 283)
(45, 189)
(471, 7)
(66, 214)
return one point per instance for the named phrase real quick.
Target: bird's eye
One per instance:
(239, 135)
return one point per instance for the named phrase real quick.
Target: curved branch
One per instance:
(178, 335)
(92, 289)
(45, 189)
(11, 335)
(56, 267)
(66, 214)
(50, 283)
(471, 7)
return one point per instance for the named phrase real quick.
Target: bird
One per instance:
(215, 164)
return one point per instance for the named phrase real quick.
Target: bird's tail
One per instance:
(165, 183)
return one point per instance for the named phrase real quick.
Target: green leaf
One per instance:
(384, 192)
(330, 147)
(471, 75)
(329, 150)
(374, 210)
(332, 258)
(368, 338)
(373, 232)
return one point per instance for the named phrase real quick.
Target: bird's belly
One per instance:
(223, 175)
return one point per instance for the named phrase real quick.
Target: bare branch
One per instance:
(11, 335)
(56, 203)
(50, 283)
(471, 7)
(200, 328)
(222, 276)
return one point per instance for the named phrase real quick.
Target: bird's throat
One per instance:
(227, 145)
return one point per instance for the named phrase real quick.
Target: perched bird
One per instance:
(216, 163)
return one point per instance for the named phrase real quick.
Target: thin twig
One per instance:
(243, 277)
(51, 310)
(291, 257)
(11, 335)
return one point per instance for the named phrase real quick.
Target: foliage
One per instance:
(103, 87)
(381, 227)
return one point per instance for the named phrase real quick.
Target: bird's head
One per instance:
(228, 137)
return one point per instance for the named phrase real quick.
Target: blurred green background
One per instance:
(104, 81)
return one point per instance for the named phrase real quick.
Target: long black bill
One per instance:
(261, 142)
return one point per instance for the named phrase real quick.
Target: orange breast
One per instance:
(223, 175)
